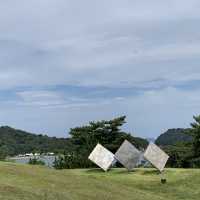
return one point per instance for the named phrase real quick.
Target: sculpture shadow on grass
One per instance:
(95, 170)
(113, 171)
(124, 171)
(118, 171)
(150, 172)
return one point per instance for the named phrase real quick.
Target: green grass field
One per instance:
(20, 182)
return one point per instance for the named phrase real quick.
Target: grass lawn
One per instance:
(18, 182)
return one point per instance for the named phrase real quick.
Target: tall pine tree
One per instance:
(195, 132)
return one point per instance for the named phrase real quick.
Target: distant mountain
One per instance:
(150, 140)
(13, 142)
(173, 136)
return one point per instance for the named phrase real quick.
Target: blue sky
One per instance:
(64, 63)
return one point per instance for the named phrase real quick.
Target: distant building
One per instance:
(50, 154)
(29, 154)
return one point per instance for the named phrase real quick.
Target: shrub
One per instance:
(36, 161)
(71, 161)
(195, 163)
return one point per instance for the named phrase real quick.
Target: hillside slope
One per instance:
(173, 136)
(26, 182)
(13, 142)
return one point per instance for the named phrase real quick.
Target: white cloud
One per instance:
(117, 44)
(148, 114)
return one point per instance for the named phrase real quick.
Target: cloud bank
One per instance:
(64, 63)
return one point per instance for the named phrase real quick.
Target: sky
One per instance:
(64, 63)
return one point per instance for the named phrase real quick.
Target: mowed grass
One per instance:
(18, 182)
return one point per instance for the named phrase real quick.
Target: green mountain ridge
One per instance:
(173, 136)
(14, 142)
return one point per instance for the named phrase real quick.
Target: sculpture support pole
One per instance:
(162, 177)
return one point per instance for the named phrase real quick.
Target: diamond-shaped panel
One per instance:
(102, 157)
(128, 155)
(157, 157)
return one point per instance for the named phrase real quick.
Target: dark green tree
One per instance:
(108, 133)
(195, 132)
(104, 132)
(4, 152)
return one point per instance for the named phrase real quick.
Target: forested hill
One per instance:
(13, 142)
(173, 136)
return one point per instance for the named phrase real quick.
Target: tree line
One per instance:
(182, 145)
